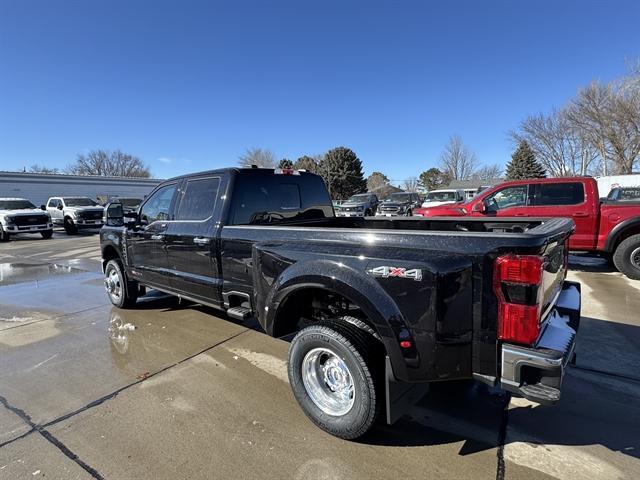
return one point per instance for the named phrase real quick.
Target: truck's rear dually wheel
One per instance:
(335, 376)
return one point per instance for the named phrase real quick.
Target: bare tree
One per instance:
(260, 157)
(35, 168)
(410, 184)
(109, 164)
(561, 148)
(608, 116)
(488, 172)
(457, 160)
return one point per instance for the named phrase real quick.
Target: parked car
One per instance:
(379, 307)
(74, 213)
(624, 194)
(18, 215)
(611, 229)
(361, 205)
(400, 203)
(442, 197)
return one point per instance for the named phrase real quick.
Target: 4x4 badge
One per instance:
(400, 272)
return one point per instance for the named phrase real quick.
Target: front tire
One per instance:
(626, 258)
(335, 374)
(47, 234)
(121, 292)
(4, 236)
(70, 227)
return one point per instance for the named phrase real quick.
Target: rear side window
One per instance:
(199, 199)
(570, 193)
(271, 199)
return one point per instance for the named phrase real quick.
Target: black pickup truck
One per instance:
(379, 307)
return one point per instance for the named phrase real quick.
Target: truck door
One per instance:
(568, 199)
(53, 209)
(512, 201)
(148, 246)
(191, 240)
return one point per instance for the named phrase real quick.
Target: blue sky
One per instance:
(189, 85)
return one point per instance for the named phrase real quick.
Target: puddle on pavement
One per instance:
(12, 273)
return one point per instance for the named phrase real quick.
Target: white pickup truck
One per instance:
(75, 213)
(18, 215)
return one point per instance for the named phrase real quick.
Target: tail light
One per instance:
(516, 283)
(286, 171)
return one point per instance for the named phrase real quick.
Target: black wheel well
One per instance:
(626, 233)
(109, 253)
(306, 306)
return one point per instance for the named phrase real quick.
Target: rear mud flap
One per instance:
(400, 396)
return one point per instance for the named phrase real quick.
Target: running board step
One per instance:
(240, 313)
(542, 394)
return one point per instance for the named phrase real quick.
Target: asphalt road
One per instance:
(175, 391)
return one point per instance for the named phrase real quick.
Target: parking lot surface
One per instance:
(175, 390)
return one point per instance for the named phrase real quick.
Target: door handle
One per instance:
(201, 240)
(157, 237)
(580, 214)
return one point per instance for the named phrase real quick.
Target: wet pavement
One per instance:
(175, 391)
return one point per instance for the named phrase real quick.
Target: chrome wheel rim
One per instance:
(328, 381)
(113, 284)
(635, 258)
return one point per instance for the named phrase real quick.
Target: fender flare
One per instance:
(352, 284)
(619, 230)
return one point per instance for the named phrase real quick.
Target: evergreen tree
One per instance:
(306, 163)
(523, 164)
(341, 170)
(285, 163)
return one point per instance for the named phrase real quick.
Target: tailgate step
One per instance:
(540, 393)
(240, 313)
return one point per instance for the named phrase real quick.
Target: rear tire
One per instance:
(122, 292)
(70, 227)
(335, 372)
(47, 234)
(627, 257)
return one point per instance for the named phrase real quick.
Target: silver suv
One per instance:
(361, 205)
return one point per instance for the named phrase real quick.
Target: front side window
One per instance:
(53, 203)
(158, 206)
(508, 198)
(570, 193)
(199, 199)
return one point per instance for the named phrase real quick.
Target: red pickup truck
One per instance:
(611, 229)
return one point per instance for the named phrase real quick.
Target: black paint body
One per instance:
(450, 314)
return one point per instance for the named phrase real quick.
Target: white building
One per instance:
(38, 187)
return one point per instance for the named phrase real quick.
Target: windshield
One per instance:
(441, 197)
(15, 204)
(359, 198)
(79, 202)
(399, 197)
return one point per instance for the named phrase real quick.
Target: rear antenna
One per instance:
(254, 166)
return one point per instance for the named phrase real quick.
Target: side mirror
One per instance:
(115, 215)
(59, 207)
(43, 208)
(480, 207)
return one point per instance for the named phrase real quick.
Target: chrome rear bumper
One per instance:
(536, 373)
